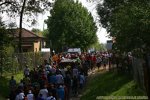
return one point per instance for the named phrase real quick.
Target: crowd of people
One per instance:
(57, 80)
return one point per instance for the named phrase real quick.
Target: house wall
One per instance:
(37, 46)
(27, 48)
(30, 49)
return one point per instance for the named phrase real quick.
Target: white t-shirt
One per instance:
(51, 98)
(44, 93)
(30, 96)
(21, 96)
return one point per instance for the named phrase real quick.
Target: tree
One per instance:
(37, 31)
(45, 32)
(4, 36)
(24, 7)
(128, 21)
(71, 25)
(4, 41)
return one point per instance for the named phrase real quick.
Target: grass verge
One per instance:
(110, 84)
(4, 84)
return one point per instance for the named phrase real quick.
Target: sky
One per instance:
(91, 6)
(101, 32)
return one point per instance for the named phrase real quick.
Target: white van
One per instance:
(74, 50)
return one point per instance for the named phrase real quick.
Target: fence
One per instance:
(16, 62)
(138, 71)
(141, 72)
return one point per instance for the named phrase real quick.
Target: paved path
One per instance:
(90, 73)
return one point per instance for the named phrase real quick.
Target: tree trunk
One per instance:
(20, 26)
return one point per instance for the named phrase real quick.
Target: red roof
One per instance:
(25, 33)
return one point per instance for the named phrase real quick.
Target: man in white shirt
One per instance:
(50, 97)
(30, 95)
(44, 93)
(20, 96)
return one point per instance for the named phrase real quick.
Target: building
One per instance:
(31, 42)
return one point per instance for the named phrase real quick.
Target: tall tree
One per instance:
(4, 41)
(71, 25)
(128, 21)
(4, 36)
(23, 7)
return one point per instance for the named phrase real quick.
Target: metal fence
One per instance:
(141, 72)
(138, 71)
(16, 62)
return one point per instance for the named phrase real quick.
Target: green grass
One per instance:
(2, 98)
(4, 84)
(129, 89)
(110, 84)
